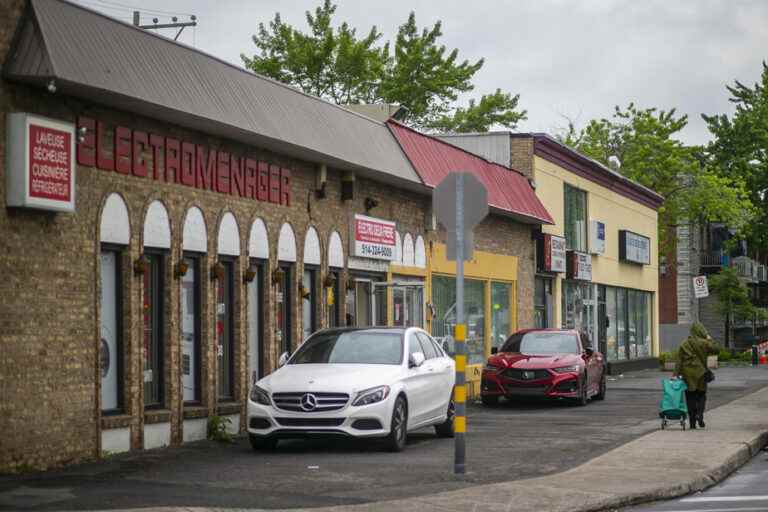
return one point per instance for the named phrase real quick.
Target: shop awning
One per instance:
(94, 57)
(509, 192)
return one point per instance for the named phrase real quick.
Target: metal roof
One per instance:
(508, 190)
(104, 60)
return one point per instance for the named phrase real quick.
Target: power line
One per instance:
(148, 10)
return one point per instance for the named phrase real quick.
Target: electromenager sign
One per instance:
(634, 248)
(373, 238)
(41, 163)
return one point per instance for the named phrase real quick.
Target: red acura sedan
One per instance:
(547, 363)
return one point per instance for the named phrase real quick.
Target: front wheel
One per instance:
(581, 399)
(603, 388)
(445, 429)
(398, 427)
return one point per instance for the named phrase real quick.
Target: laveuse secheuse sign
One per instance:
(373, 238)
(40, 163)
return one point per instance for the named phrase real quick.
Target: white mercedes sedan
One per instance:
(377, 382)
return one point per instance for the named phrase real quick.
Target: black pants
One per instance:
(696, 401)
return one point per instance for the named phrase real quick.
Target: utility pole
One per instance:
(175, 23)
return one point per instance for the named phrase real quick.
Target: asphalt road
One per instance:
(745, 491)
(509, 442)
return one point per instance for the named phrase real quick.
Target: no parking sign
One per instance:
(700, 288)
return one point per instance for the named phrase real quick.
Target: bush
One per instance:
(666, 357)
(724, 355)
(217, 429)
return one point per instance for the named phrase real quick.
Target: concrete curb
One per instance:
(699, 483)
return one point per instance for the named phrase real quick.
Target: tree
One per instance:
(732, 299)
(419, 74)
(642, 145)
(740, 149)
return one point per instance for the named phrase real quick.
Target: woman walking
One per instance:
(692, 367)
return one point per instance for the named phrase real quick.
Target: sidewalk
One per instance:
(659, 465)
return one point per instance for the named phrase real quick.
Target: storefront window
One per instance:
(542, 297)
(283, 299)
(153, 331)
(408, 305)
(612, 333)
(579, 307)
(225, 331)
(501, 294)
(256, 321)
(621, 323)
(190, 330)
(111, 347)
(332, 301)
(308, 302)
(444, 300)
(575, 219)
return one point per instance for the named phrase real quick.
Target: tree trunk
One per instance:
(728, 330)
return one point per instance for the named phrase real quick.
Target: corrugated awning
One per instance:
(508, 190)
(103, 60)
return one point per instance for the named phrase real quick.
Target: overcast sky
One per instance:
(576, 58)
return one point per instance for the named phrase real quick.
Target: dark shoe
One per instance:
(693, 425)
(701, 423)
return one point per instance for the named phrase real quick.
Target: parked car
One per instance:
(546, 363)
(360, 382)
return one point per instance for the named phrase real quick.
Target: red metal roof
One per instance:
(508, 190)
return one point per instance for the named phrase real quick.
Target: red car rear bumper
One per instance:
(512, 383)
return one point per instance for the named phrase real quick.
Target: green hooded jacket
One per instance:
(692, 357)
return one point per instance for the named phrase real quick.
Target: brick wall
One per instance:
(521, 155)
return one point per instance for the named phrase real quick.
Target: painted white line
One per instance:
(705, 499)
(741, 509)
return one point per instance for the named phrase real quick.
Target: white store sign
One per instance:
(40, 163)
(700, 287)
(634, 248)
(373, 238)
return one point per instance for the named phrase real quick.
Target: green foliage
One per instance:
(666, 357)
(499, 108)
(732, 294)
(217, 429)
(724, 355)
(740, 149)
(420, 73)
(642, 144)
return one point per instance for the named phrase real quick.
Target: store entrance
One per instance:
(580, 308)
(408, 304)
(366, 301)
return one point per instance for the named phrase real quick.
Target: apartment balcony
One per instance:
(713, 259)
(747, 268)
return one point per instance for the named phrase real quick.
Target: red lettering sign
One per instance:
(368, 230)
(177, 161)
(50, 168)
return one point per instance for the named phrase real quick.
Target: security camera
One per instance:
(52, 87)
(370, 204)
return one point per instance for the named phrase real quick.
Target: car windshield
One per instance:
(351, 347)
(542, 343)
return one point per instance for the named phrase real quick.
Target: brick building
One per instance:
(170, 224)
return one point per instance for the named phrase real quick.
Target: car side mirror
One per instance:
(494, 350)
(283, 359)
(416, 359)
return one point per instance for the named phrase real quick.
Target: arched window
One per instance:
(194, 244)
(228, 248)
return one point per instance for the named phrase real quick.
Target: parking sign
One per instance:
(700, 287)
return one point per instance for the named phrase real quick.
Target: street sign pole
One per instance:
(460, 202)
(460, 398)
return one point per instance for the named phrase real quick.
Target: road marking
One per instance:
(742, 509)
(705, 499)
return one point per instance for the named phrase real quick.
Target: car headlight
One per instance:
(490, 368)
(371, 395)
(567, 369)
(260, 396)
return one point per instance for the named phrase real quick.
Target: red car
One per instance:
(547, 363)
